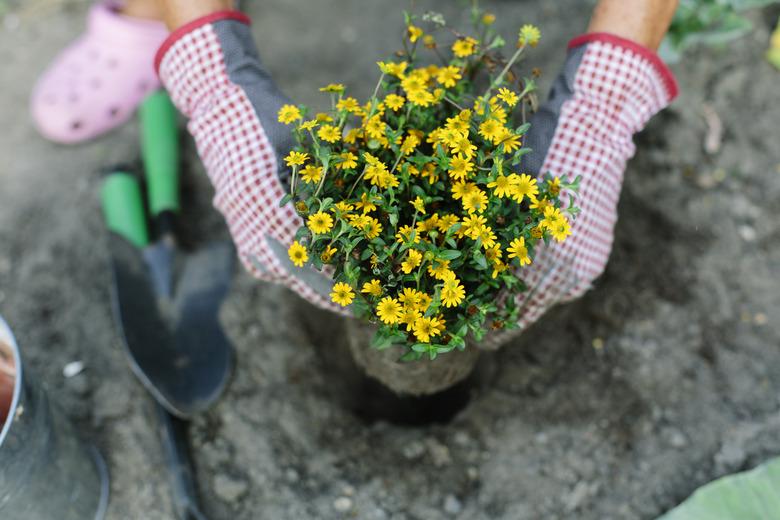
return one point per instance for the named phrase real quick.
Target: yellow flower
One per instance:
(298, 254)
(464, 47)
(374, 288)
(413, 259)
(539, 205)
(342, 294)
(460, 168)
(311, 174)
(409, 316)
(421, 98)
(498, 268)
(337, 88)
(441, 271)
(429, 41)
(353, 135)
(393, 69)
(463, 147)
(308, 125)
(560, 229)
(517, 249)
(388, 310)
(405, 233)
(375, 127)
(494, 253)
(529, 35)
(510, 141)
(475, 201)
(461, 189)
(371, 228)
(414, 33)
(410, 297)
(488, 18)
(491, 130)
(446, 222)
(448, 76)
(348, 161)
(410, 143)
(554, 186)
(487, 236)
(322, 117)
(472, 224)
(296, 158)
(366, 203)
(425, 302)
(395, 102)
(524, 186)
(452, 292)
(320, 223)
(349, 104)
(427, 328)
(343, 206)
(419, 205)
(327, 255)
(289, 114)
(329, 133)
(508, 97)
(502, 186)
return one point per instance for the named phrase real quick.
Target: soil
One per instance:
(663, 377)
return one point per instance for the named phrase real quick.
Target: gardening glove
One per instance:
(608, 90)
(214, 75)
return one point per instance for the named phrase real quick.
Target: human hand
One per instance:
(181, 12)
(642, 21)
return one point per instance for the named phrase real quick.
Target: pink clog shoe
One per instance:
(97, 82)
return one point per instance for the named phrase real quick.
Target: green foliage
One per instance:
(754, 494)
(708, 22)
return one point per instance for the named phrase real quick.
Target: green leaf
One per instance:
(285, 200)
(751, 494)
(448, 254)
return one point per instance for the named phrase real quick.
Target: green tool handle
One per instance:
(123, 208)
(160, 152)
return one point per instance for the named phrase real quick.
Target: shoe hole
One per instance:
(96, 84)
(143, 86)
(112, 63)
(113, 111)
(75, 126)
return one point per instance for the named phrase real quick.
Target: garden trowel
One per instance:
(165, 302)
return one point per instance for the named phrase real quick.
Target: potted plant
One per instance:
(414, 202)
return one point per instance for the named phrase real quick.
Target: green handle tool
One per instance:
(123, 208)
(160, 152)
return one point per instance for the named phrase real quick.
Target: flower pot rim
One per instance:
(7, 338)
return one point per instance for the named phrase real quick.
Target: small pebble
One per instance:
(452, 505)
(228, 488)
(73, 369)
(342, 504)
(413, 450)
(747, 233)
(760, 319)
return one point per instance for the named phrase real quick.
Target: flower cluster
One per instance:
(414, 200)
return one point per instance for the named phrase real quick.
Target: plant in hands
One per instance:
(415, 201)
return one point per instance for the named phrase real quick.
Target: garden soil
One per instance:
(663, 377)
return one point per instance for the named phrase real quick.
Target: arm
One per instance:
(611, 85)
(214, 75)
